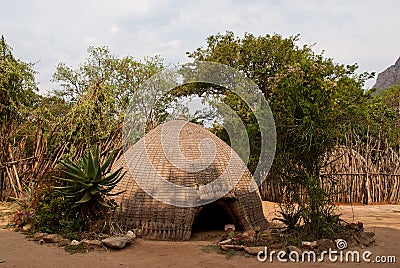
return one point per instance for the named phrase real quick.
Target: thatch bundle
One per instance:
(183, 154)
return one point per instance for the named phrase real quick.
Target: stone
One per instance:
(276, 246)
(27, 227)
(63, 242)
(116, 242)
(234, 247)
(52, 238)
(325, 244)
(138, 232)
(389, 77)
(309, 245)
(38, 236)
(225, 242)
(75, 243)
(92, 244)
(365, 238)
(131, 235)
(254, 250)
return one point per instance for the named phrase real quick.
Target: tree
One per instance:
(100, 90)
(17, 98)
(312, 99)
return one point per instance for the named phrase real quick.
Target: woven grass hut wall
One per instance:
(184, 154)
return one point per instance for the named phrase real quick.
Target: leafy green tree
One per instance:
(17, 98)
(100, 91)
(314, 101)
(383, 116)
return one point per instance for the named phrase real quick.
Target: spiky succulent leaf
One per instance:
(111, 178)
(114, 194)
(94, 191)
(88, 180)
(91, 167)
(75, 176)
(101, 201)
(96, 163)
(107, 162)
(85, 198)
(74, 182)
(84, 163)
(73, 168)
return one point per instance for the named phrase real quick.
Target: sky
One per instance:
(48, 32)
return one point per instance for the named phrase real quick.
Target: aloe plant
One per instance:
(88, 179)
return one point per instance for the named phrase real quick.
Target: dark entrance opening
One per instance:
(209, 223)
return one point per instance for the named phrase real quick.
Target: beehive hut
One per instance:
(186, 155)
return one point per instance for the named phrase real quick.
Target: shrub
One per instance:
(56, 214)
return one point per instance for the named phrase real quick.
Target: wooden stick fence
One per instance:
(359, 172)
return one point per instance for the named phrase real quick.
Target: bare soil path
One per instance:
(18, 251)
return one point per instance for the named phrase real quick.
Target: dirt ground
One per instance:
(18, 251)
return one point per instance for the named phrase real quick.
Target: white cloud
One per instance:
(55, 31)
(114, 30)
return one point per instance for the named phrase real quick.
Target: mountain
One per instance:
(389, 77)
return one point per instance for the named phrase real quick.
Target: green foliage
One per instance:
(17, 87)
(88, 180)
(101, 89)
(72, 249)
(289, 218)
(56, 214)
(382, 116)
(17, 99)
(314, 102)
(229, 253)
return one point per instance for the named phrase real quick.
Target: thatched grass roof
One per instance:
(184, 154)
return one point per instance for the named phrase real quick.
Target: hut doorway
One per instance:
(211, 219)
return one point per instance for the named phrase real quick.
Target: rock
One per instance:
(351, 242)
(131, 235)
(365, 238)
(276, 246)
(229, 227)
(294, 249)
(138, 232)
(254, 250)
(41, 241)
(75, 243)
(234, 247)
(309, 245)
(227, 241)
(356, 226)
(63, 242)
(325, 244)
(116, 242)
(39, 236)
(389, 77)
(27, 227)
(52, 238)
(92, 244)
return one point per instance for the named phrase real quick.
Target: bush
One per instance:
(56, 214)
